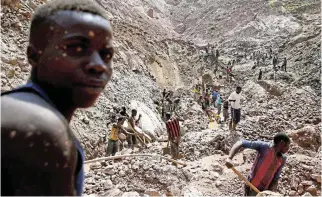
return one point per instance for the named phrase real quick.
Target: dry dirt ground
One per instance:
(159, 44)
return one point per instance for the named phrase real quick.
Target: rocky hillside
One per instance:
(159, 44)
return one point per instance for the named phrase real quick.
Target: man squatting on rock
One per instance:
(234, 100)
(268, 164)
(70, 51)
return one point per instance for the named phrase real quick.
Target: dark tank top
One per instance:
(79, 173)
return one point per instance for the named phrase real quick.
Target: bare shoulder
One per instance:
(28, 110)
(30, 124)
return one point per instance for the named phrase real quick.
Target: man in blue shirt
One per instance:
(268, 164)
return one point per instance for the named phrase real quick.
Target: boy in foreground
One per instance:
(70, 51)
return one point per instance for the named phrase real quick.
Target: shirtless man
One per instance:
(71, 54)
(132, 139)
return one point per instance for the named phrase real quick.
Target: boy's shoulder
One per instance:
(23, 108)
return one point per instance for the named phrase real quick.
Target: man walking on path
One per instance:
(225, 110)
(234, 100)
(218, 103)
(284, 64)
(214, 97)
(268, 164)
(260, 74)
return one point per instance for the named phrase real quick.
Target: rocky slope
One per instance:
(159, 45)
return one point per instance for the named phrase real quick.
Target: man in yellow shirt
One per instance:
(113, 140)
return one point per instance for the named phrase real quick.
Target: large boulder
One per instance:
(180, 28)
(150, 13)
(308, 137)
(271, 88)
(151, 122)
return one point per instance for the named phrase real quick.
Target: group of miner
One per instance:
(70, 51)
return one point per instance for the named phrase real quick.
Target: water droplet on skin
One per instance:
(12, 134)
(64, 54)
(47, 144)
(29, 134)
(65, 153)
(79, 49)
(68, 143)
(91, 34)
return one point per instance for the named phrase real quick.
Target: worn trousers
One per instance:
(174, 147)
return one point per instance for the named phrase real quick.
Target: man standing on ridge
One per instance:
(70, 51)
(268, 164)
(234, 100)
(284, 64)
(260, 74)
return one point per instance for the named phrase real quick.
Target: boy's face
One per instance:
(77, 56)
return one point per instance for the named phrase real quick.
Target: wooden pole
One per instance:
(133, 155)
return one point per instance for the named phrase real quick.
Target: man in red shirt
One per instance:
(268, 165)
(173, 130)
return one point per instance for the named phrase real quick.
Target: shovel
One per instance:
(229, 165)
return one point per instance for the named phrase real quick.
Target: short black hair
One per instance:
(42, 13)
(120, 119)
(281, 137)
(134, 110)
(238, 87)
(51, 7)
(168, 115)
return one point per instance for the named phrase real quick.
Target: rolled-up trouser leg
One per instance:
(237, 116)
(130, 141)
(110, 147)
(226, 114)
(174, 149)
(232, 113)
(115, 147)
(218, 109)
